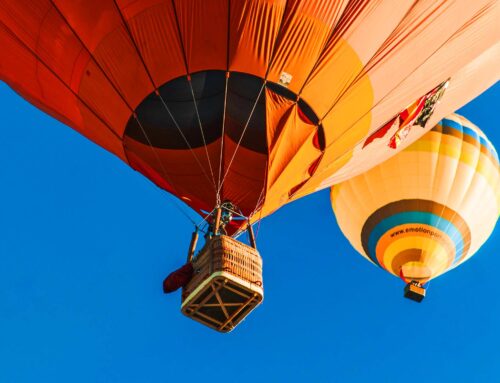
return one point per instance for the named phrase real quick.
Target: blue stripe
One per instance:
(471, 133)
(414, 217)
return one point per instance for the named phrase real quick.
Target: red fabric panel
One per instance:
(156, 177)
(44, 31)
(41, 87)
(204, 29)
(178, 171)
(153, 25)
(99, 25)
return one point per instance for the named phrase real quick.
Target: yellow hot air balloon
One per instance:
(427, 209)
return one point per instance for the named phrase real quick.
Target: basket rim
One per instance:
(251, 286)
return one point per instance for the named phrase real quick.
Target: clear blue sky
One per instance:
(85, 243)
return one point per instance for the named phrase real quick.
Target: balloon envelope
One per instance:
(253, 101)
(427, 209)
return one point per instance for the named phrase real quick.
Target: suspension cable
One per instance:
(156, 87)
(243, 132)
(165, 173)
(201, 131)
(221, 156)
(157, 92)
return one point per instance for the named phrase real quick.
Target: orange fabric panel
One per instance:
(363, 29)
(204, 29)
(253, 31)
(417, 56)
(245, 180)
(464, 45)
(463, 36)
(153, 26)
(278, 110)
(305, 30)
(99, 25)
(469, 82)
(290, 178)
(286, 134)
(469, 40)
(38, 85)
(292, 153)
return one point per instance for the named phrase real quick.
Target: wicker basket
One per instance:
(415, 292)
(226, 286)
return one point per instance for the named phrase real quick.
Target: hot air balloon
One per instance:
(256, 102)
(242, 103)
(426, 210)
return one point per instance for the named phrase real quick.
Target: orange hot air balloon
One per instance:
(427, 209)
(257, 102)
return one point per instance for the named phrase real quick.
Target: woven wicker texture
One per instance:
(223, 253)
(226, 286)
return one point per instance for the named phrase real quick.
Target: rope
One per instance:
(165, 173)
(243, 133)
(219, 183)
(202, 132)
(156, 88)
(182, 135)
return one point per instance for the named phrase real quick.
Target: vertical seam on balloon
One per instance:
(30, 50)
(132, 40)
(276, 41)
(223, 133)
(333, 32)
(262, 197)
(157, 92)
(374, 60)
(258, 97)
(440, 158)
(397, 85)
(192, 94)
(339, 25)
(92, 57)
(115, 87)
(260, 200)
(476, 174)
(243, 133)
(363, 71)
(36, 46)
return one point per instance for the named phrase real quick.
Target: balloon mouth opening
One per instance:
(415, 271)
(188, 112)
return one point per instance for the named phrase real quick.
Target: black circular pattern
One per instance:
(208, 88)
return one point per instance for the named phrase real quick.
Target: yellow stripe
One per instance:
(435, 256)
(484, 166)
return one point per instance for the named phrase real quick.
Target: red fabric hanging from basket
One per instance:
(179, 278)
